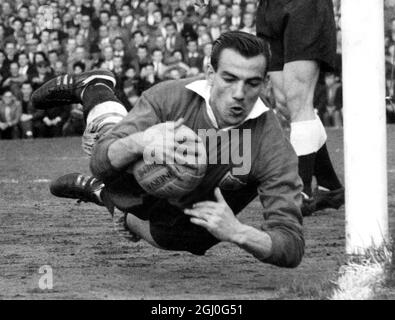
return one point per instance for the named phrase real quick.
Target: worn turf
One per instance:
(90, 260)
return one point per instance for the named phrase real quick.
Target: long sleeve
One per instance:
(279, 191)
(144, 115)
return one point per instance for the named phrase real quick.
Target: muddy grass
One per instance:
(89, 260)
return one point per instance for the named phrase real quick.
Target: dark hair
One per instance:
(137, 32)
(26, 82)
(246, 44)
(53, 51)
(43, 64)
(155, 49)
(118, 38)
(147, 64)
(41, 53)
(105, 11)
(171, 23)
(22, 53)
(143, 46)
(17, 19)
(79, 64)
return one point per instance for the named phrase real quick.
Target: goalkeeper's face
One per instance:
(235, 86)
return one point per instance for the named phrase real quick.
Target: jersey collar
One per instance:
(202, 88)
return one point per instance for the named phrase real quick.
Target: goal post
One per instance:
(365, 141)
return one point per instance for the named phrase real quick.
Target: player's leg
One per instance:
(308, 135)
(310, 43)
(94, 90)
(307, 132)
(277, 80)
(292, 88)
(102, 111)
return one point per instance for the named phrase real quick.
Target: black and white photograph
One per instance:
(197, 150)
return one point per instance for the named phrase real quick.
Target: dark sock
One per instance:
(324, 171)
(95, 94)
(306, 170)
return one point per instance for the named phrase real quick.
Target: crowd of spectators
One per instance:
(390, 59)
(141, 42)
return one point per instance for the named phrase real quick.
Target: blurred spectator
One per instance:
(43, 73)
(151, 8)
(121, 51)
(31, 49)
(114, 28)
(215, 26)
(174, 74)
(80, 55)
(118, 68)
(127, 20)
(203, 36)
(329, 101)
(206, 55)
(31, 124)
(248, 23)
(185, 29)
(28, 29)
(235, 20)
(10, 53)
(148, 77)
(174, 41)
(222, 12)
(108, 56)
(10, 114)
(3, 68)
(176, 61)
(16, 27)
(43, 46)
(86, 30)
(142, 58)
(59, 68)
(132, 87)
(142, 42)
(2, 35)
(103, 39)
(193, 57)
(14, 80)
(54, 120)
(157, 60)
(25, 69)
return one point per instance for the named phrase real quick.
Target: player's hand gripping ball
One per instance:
(174, 162)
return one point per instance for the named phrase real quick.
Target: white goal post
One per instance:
(365, 141)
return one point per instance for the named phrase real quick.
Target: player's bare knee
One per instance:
(299, 96)
(300, 79)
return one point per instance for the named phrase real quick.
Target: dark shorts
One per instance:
(298, 30)
(170, 227)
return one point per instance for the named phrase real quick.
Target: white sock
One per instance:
(103, 116)
(307, 136)
(108, 112)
